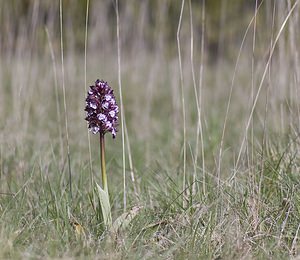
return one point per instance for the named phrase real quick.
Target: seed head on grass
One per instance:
(101, 109)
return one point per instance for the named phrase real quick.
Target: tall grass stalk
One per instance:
(254, 192)
(266, 110)
(85, 86)
(199, 126)
(293, 43)
(132, 175)
(182, 99)
(122, 107)
(253, 83)
(261, 83)
(64, 94)
(196, 97)
(237, 62)
(58, 113)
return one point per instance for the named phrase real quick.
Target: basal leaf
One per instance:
(105, 206)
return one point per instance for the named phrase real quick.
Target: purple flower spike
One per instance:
(101, 109)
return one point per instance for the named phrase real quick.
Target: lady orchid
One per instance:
(102, 116)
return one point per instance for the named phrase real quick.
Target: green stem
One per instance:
(103, 168)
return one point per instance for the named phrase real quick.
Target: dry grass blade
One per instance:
(85, 84)
(261, 84)
(182, 96)
(64, 95)
(122, 107)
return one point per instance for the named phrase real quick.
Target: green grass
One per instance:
(236, 221)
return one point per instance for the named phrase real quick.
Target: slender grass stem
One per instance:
(132, 175)
(253, 83)
(56, 93)
(122, 107)
(200, 128)
(196, 98)
(262, 81)
(182, 94)
(230, 95)
(64, 93)
(85, 86)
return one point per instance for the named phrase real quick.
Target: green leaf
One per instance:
(105, 206)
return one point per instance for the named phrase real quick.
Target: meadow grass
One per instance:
(223, 183)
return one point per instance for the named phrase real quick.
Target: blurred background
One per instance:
(236, 50)
(147, 26)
